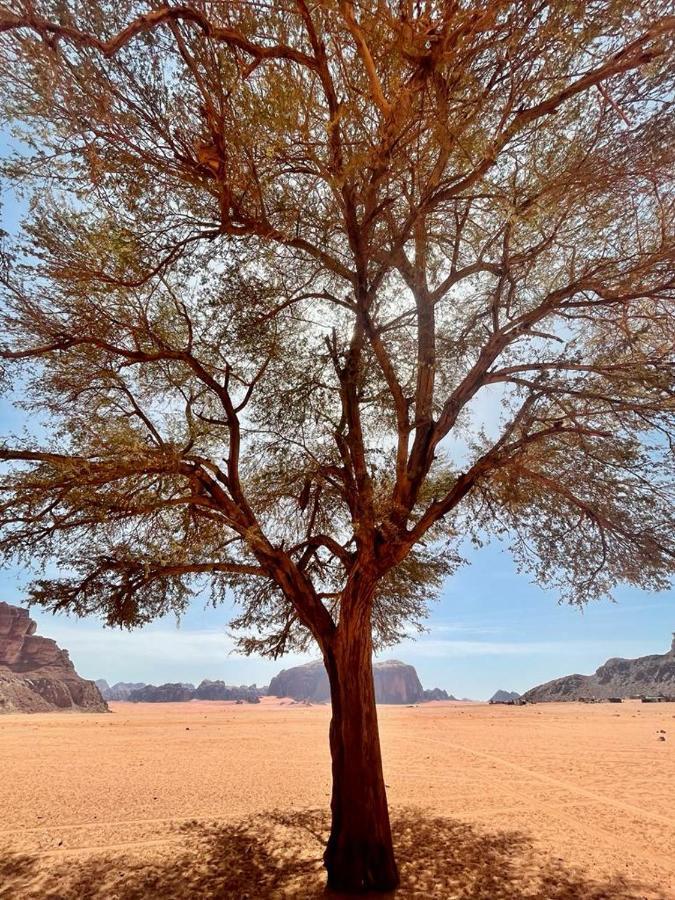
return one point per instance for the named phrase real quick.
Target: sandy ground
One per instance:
(554, 801)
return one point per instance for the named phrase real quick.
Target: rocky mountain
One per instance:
(36, 675)
(504, 696)
(308, 682)
(644, 676)
(395, 682)
(118, 691)
(218, 690)
(162, 693)
(181, 693)
(436, 694)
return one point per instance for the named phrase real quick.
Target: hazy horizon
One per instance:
(491, 629)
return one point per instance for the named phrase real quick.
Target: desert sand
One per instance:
(553, 801)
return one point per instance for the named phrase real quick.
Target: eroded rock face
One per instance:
(395, 682)
(15, 626)
(39, 652)
(644, 676)
(36, 675)
(308, 682)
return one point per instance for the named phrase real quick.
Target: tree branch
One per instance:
(149, 22)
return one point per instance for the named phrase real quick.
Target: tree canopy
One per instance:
(274, 256)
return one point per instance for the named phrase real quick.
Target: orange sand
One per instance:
(554, 801)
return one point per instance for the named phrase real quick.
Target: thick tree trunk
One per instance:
(360, 855)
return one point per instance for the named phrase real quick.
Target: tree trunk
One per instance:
(360, 855)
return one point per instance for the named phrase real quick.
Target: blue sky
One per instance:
(492, 627)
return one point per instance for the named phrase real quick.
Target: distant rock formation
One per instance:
(504, 696)
(395, 682)
(644, 676)
(163, 693)
(35, 674)
(218, 690)
(181, 693)
(308, 682)
(436, 694)
(118, 691)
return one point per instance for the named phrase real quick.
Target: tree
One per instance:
(274, 254)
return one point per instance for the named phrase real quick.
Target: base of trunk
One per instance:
(360, 854)
(355, 867)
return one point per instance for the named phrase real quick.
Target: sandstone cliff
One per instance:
(395, 682)
(644, 676)
(35, 674)
(308, 682)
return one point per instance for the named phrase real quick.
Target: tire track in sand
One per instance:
(555, 782)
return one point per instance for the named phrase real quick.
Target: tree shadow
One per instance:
(278, 855)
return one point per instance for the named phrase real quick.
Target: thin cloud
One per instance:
(465, 628)
(159, 654)
(455, 649)
(171, 644)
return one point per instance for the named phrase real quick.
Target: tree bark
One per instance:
(359, 856)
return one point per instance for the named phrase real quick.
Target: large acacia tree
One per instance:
(273, 256)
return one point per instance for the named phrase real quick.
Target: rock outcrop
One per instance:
(218, 690)
(118, 691)
(36, 675)
(163, 693)
(181, 693)
(644, 676)
(395, 682)
(504, 697)
(308, 682)
(436, 694)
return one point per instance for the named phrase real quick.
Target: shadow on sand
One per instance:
(279, 856)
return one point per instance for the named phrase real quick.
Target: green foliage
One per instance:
(276, 260)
